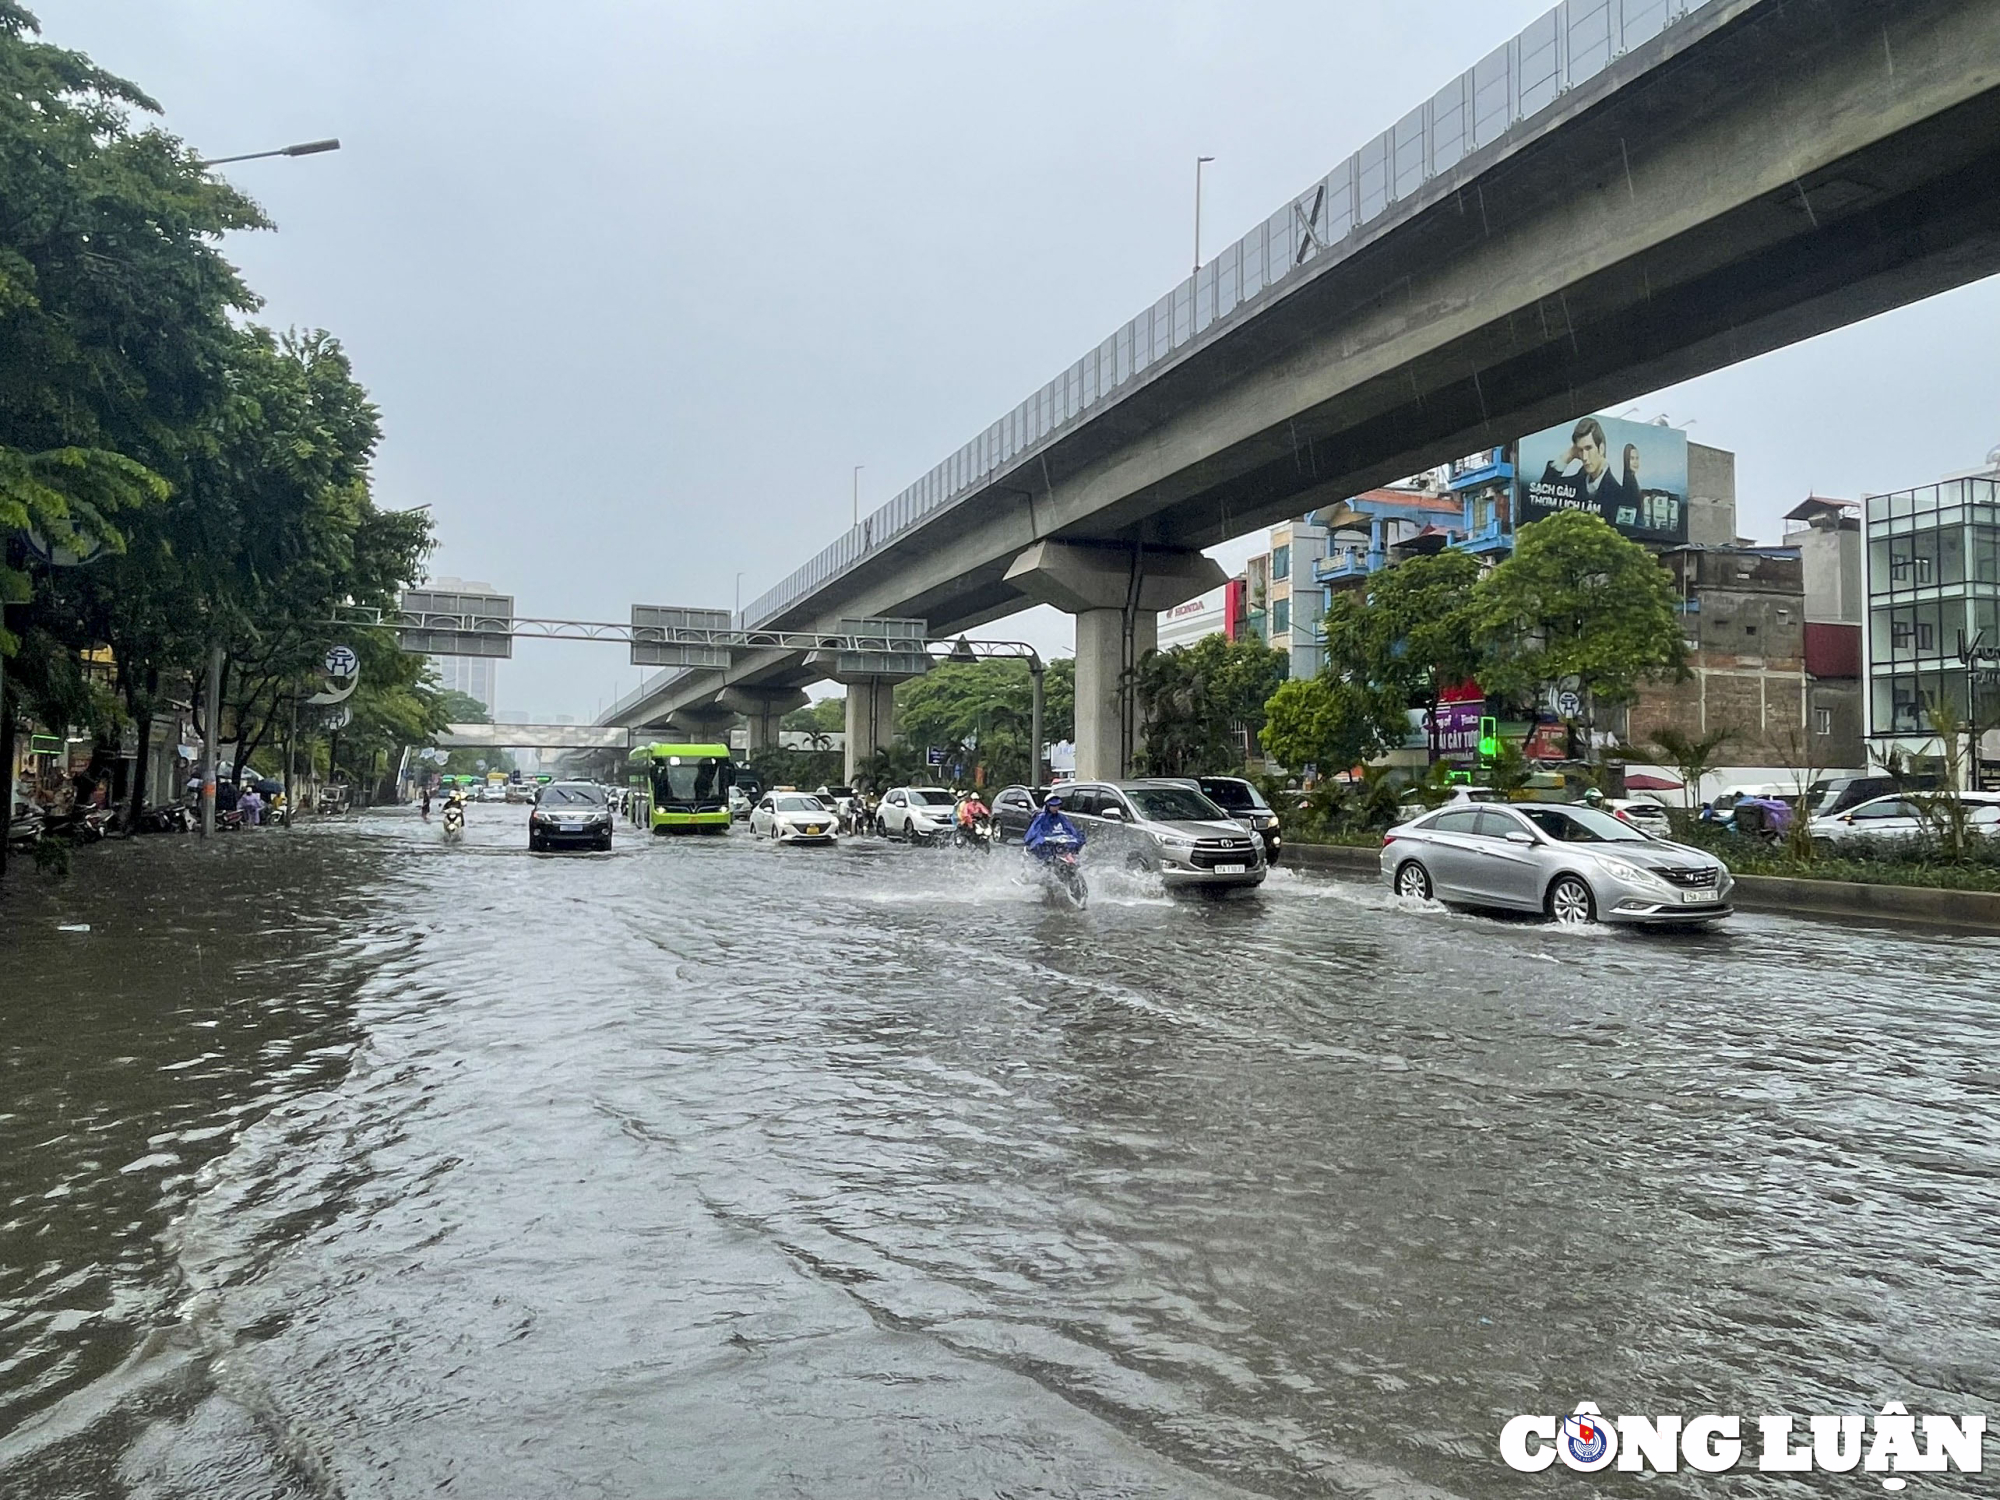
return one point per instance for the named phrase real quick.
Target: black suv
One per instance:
(1014, 808)
(1243, 802)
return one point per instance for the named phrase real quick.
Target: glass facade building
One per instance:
(1933, 580)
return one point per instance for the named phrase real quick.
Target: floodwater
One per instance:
(345, 1162)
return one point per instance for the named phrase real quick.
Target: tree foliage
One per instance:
(115, 299)
(1577, 600)
(979, 713)
(462, 708)
(1332, 723)
(1409, 637)
(826, 716)
(222, 469)
(1197, 701)
(1692, 756)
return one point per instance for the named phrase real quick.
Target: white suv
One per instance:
(921, 814)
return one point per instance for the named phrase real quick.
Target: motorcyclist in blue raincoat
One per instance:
(1050, 822)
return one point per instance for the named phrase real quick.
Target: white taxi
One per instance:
(794, 818)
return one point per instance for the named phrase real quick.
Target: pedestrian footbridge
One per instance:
(534, 737)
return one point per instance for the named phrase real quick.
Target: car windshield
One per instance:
(840, 791)
(930, 797)
(1174, 804)
(1233, 796)
(575, 796)
(684, 779)
(800, 804)
(1582, 825)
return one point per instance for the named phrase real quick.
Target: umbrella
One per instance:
(1645, 781)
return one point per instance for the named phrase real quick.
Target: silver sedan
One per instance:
(1574, 864)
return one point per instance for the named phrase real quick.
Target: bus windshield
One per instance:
(690, 780)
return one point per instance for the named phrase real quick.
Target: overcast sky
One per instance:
(637, 284)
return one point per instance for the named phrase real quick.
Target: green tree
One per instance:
(1332, 723)
(115, 308)
(1412, 634)
(1691, 756)
(467, 762)
(1196, 700)
(114, 298)
(979, 713)
(462, 708)
(826, 716)
(1577, 600)
(224, 469)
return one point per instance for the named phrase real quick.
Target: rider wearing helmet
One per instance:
(1050, 821)
(971, 808)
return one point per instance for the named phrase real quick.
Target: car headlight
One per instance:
(1637, 874)
(1175, 841)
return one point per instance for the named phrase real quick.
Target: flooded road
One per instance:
(345, 1163)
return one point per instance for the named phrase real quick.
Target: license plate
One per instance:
(1701, 895)
(569, 828)
(1230, 869)
(812, 828)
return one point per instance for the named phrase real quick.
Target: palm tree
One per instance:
(1692, 756)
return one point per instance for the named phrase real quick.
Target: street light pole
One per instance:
(1199, 163)
(211, 747)
(303, 148)
(1035, 670)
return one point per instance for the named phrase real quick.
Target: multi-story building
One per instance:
(1294, 599)
(1378, 529)
(1217, 612)
(1743, 610)
(1827, 536)
(1932, 634)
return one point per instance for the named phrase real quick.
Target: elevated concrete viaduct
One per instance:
(1758, 172)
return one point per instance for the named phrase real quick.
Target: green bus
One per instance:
(689, 785)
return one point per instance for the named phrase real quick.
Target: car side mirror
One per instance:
(1518, 837)
(1114, 814)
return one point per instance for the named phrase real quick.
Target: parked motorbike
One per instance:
(90, 825)
(168, 817)
(1060, 858)
(25, 829)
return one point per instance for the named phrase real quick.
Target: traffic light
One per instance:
(1489, 738)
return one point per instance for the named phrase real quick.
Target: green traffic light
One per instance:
(1489, 738)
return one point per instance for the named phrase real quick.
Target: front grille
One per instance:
(1212, 852)
(1696, 880)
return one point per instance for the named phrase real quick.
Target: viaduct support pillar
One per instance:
(763, 709)
(703, 724)
(1116, 590)
(871, 719)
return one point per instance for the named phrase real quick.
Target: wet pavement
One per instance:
(345, 1162)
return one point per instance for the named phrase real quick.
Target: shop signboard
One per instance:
(1458, 727)
(1632, 474)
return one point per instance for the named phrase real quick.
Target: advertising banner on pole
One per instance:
(1633, 474)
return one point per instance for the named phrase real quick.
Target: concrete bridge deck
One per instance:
(1755, 173)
